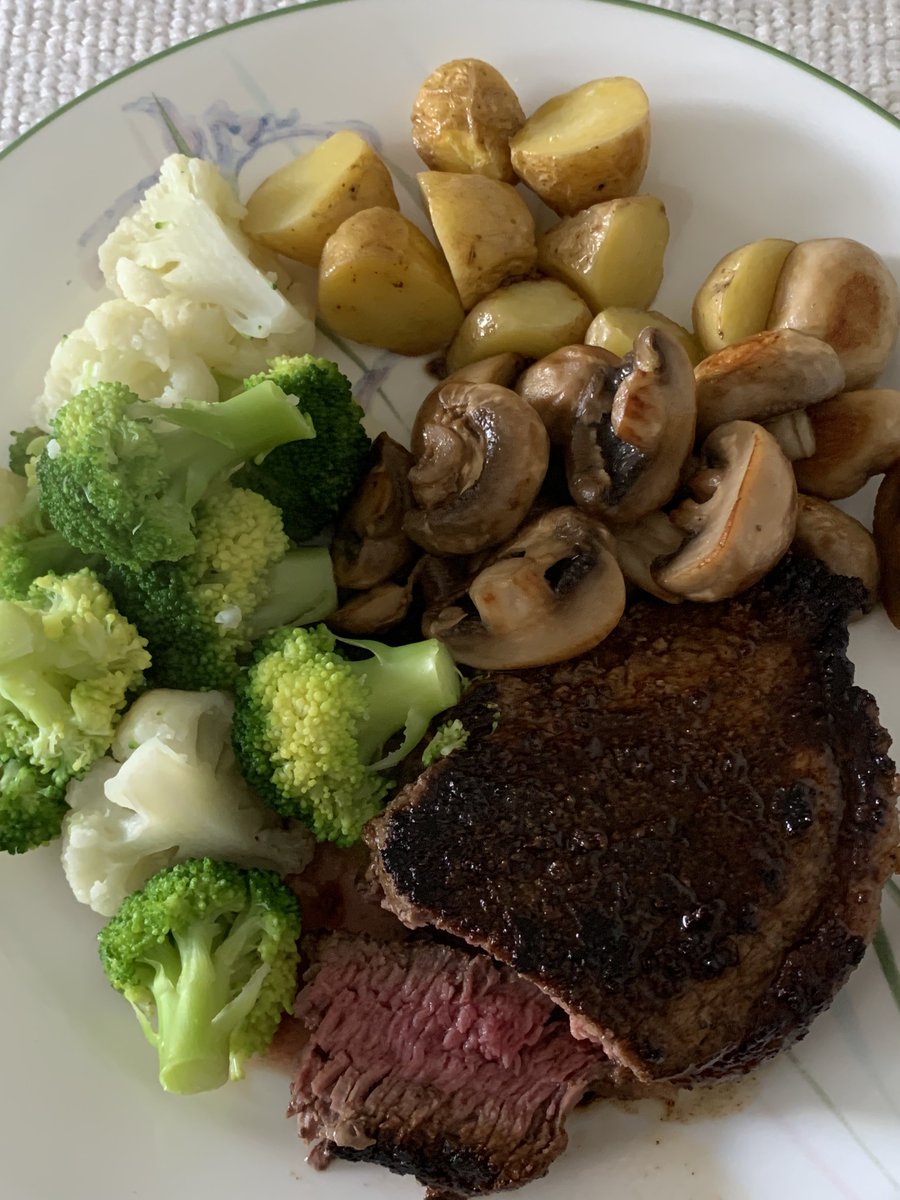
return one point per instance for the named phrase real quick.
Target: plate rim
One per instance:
(291, 9)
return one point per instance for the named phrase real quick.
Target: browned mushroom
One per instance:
(857, 436)
(794, 433)
(641, 546)
(375, 611)
(557, 385)
(499, 368)
(550, 594)
(838, 540)
(887, 538)
(744, 521)
(369, 544)
(483, 457)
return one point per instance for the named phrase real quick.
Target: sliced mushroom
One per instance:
(625, 454)
(842, 292)
(762, 376)
(794, 433)
(375, 611)
(887, 538)
(639, 547)
(857, 436)
(484, 454)
(745, 525)
(838, 540)
(557, 385)
(369, 544)
(551, 593)
(499, 368)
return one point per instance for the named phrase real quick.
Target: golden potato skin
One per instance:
(734, 300)
(587, 145)
(463, 118)
(383, 283)
(615, 329)
(611, 253)
(532, 318)
(484, 228)
(298, 207)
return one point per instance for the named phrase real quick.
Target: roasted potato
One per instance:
(383, 283)
(587, 145)
(484, 228)
(463, 117)
(842, 292)
(734, 300)
(616, 328)
(611, 254)
(297, 209)
(531, 318)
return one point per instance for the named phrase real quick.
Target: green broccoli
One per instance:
(24, 446)
(450, 736)
(310, 482)
(29, 547)
(121, 477)
(242, 579)
(312, 730)
(206, 955)
(68, 661)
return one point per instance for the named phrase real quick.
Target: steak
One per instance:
(435, 1062)
(681, 837)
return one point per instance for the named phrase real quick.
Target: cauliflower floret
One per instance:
(170, 791)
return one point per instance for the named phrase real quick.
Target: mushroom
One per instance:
(857, 436)
(887, 538)
(639, 547)
(842, 292)
(556, 385)
(794, 433)
(625, 453)
(745, 524)
(839, 541)
(763, 376)
(369, 544)
(375, 611)
(483, 457)
(551, 593)
(499, 368)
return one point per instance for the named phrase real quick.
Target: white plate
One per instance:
(746, 144)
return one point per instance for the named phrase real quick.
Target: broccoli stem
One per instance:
(301, 589)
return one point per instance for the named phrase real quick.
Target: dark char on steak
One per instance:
(680, 837)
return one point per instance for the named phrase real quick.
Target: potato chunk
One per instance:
(587, 145)
(616, 328)
(463, 117)
(484, 228)
(383, 283)
(531, 318)
(611, 253)
(734, 300)
(297, 209)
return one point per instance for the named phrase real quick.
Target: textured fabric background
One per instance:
(51, 50)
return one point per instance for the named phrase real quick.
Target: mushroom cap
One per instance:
(794, 433)
(770, 373)
(499, 368)
(369, 545)
(745, 525)
(838, 540)
(640, 546)
(374, 611)
(484, 454)
(886, 528)
(857, 436)
(557, 385)
(525, 618)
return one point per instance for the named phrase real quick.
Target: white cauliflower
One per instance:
(170, 790)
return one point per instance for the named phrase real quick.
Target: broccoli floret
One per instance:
(311, 729)
(121, 477)
(206, 955)
(242, 579)
(310, 482)
(68, 661)
(452, 735)
(23, 446)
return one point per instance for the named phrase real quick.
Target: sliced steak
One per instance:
(681, 836)
(435, 1062)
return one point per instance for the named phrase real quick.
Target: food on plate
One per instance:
(733, 870)
(169, 790)
(641, 546)
(794, 433)
(531, 318)
(615, 329)
(479, 461)
(297, 208)
(68, 662)
(842, 292)
(591, 143)
(313, 729)
(463, 118)
(611, 253)
(742, 520)
(383, 283)
(886, 530)
(765, 375)
(735, 299)
(484, 228)
(206, 955)
(826, 532)
(857, 435)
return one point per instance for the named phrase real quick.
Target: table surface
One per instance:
(52, 50)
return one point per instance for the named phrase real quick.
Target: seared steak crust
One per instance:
(681, 836)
